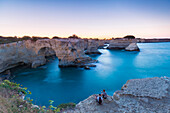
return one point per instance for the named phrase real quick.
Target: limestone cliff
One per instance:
(149, 95)
(13, 54)
(70, 52)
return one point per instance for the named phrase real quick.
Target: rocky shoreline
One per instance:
(137, 95)
(70, 52)
(148, 95)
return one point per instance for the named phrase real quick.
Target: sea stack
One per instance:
(123, 43)
(132, 47)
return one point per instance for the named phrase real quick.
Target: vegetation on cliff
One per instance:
(5, 40)
(74, 37)
(129, 37)
(11, 101)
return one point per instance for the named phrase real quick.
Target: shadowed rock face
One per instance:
(70, 52)
(124, 43)
(92, 47)
(46, 51)
(13, 54)
(147, 95)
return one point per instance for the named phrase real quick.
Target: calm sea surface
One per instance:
(114, 68)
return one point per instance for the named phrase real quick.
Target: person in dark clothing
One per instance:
(99, 99)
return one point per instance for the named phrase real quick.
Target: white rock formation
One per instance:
(132, 47)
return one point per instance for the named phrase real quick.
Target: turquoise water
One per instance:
(114, 68)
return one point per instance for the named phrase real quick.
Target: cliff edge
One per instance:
(137, 95)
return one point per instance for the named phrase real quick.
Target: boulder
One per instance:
(132, 47)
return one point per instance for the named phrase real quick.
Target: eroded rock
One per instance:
(92, 47)
(70, 52)
(121, 43)
(132, 47)
(144, 95)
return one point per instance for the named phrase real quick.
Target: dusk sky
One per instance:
(85, 18)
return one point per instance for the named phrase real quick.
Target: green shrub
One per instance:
(66, 105)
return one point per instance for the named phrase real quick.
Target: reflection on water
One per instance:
(114, 68)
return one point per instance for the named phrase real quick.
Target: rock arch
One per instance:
(70, 52)
(46, 51)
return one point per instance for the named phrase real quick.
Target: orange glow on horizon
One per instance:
(99, 37)
(85, 18)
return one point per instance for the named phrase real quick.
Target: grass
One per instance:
(67, 105)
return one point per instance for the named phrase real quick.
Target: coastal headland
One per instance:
(71, 52)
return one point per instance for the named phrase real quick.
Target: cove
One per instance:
(115, 67)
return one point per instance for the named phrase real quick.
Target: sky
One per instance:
(85, 18)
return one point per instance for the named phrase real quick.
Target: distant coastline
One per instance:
(10, 39)
(153, 40)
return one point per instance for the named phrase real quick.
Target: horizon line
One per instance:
(78, 36)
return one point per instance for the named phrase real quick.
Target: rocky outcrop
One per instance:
(70, 52)
(5, 75)
(92, 47)
(14, 54)
(39, 60)
(132, 47)
(144, 95)
(121, 43)
(101, 44)
(147, 95)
